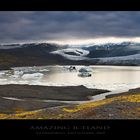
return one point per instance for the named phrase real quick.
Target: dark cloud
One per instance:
(58, 25)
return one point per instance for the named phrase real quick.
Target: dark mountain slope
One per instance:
(33, 54)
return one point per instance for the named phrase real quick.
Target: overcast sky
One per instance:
(61, 25)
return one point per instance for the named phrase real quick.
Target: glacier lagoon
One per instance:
(103, 77)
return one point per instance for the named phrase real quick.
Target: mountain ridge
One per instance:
(30, 54)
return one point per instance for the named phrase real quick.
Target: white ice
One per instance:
(32, 76)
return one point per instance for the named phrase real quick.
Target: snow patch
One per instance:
(12, 98)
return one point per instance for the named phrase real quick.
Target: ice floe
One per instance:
(32, 76)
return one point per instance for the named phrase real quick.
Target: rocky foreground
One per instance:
(21, 98)
(122, 106)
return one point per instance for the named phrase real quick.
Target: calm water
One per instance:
(103, 77)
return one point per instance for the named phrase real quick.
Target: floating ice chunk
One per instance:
(14, 76)
(2, 74)
(42, 70)
(18, 72)
(85, 69)
(32, 76)
(84, 74)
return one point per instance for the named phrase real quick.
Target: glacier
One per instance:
(78, 54)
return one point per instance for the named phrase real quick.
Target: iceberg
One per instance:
(84, 74)
(42, 70)
(85, 69)
(32, 76)
(2, 74)
(14, 76)
(18, 72)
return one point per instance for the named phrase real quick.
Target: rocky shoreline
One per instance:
(30, 97)
(29, 106)
(129, 92)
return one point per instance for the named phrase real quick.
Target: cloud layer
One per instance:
(18, 26)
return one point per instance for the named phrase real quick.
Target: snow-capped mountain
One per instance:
(124, 53)
(29, 54)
